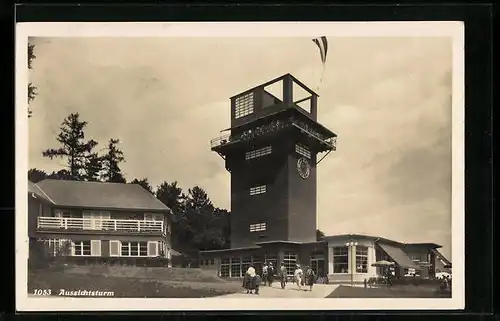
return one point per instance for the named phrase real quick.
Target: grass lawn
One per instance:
(127, 287)
(392, 292)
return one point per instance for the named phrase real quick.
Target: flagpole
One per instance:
(321, 76)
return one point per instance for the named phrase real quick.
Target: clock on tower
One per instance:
(303, 168)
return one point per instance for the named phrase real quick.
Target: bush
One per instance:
(414, 281)
(417, 281)
(111, 261)
(43, 255)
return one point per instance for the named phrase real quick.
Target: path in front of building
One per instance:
(291, 291)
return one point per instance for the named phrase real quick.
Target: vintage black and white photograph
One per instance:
(245, 164)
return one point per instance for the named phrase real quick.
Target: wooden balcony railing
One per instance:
(59, 223)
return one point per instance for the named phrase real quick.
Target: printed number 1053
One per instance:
(42, 292)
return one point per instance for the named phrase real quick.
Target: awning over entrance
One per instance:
(399, 256)
(440, 257)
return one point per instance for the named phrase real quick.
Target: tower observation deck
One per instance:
(271, 152)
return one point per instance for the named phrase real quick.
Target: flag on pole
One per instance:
(322, 44)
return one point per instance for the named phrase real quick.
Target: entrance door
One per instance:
(318, 266)
(64, 216)
(290, 262)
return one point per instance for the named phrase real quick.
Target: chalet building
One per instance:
(99, 219)
(272, 150)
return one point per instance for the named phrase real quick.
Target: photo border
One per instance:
(280, 29)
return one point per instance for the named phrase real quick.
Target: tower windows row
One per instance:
(260, 227)
(244, 105)
(258, 152)
(261, 189)
(302, 150)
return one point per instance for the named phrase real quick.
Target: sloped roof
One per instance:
(398, 256)
(100, 195)
(440, 256)
(33, 188)
(380, 239)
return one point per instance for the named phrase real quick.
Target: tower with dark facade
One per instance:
(272, 151)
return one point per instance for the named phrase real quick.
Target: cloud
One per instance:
(388, 99)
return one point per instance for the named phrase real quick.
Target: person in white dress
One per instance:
(249, 281)
(298, 275)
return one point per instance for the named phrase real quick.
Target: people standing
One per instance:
(250, 283)
(270, 273)
(264, 273)
(298, 276)
(310, 275)
(283, 275)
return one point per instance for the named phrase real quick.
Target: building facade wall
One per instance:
(99, 238)
(289, 254)
(99, 245)
(352, 271)
(302, 201)
(50, 211)
(36, 208)
(270, 207)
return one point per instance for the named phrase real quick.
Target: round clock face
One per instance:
(303, 168)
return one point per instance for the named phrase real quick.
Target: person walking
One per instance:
(264, 273)
(283, 275)
(298, 276)
(270, 274)
(310, 275)
(250, 280)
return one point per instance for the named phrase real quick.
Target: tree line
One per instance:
(197, 223)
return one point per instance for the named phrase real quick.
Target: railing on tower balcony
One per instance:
(80, 224)
(269, 128)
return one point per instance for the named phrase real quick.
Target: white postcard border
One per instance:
(455, 30)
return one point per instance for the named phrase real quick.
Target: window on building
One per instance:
(302, 150)
(58, 247)
(257, 264)
(235, 267)
(361, 259)
(134, 249)
(82, 248)
(245, 264)
(258, 227)
(258, 152)
(162, 249)
(258, 190)
(154, 217)
(290, 262)
(271, 258)
(96, 220)
(340, 260)
(224, 268)
(62, 214)
(243, 105)
(96, 215)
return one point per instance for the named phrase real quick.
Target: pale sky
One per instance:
(388, 99)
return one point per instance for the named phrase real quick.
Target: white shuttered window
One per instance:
(95, 248)
(114, 248)
(152, 248)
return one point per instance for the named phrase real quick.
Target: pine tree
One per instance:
(74, 147)
(144, 183)
(93, 168)
(111, 163)
(31, 88)
(36, 175)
